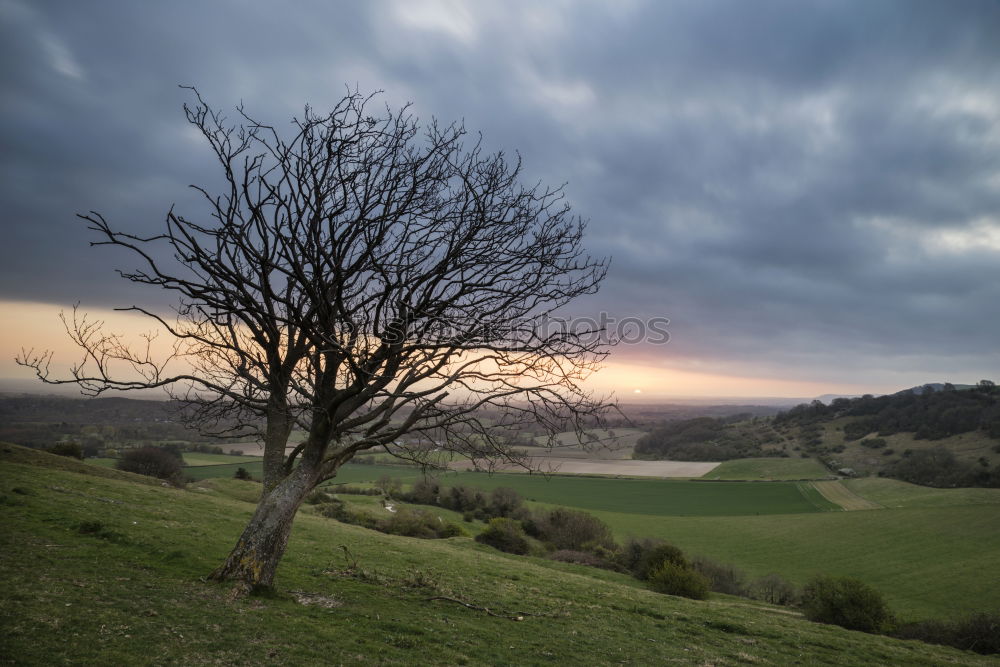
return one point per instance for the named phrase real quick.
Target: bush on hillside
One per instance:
(721, 578)
(151, 461)
(978, 632)
(940, 468)
(775, 589)
(570, 529)
(418, 523)
(674, 579)
(656, 555)
(506, 535)
(846, 602)
(70, 449)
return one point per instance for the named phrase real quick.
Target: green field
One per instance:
(894, 493)
(133, 594)
(770, 468)
(927, 551)
(636, 496)
(199, 459)
(928, 561)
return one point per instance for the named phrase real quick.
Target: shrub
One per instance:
(332, 508)
(573, 530)
(652, 558)
(505, 502)
(846, 602)
(357, 490)
(70, 449)
(721, 578)
(425, 492)
(506, 535)
(873, 443)
(242, 473)
(979, 632)
(151, 461)
(174, 450)
(318, 497)
(418, 523)
(775, 589)
(390, 486)
(675, 579)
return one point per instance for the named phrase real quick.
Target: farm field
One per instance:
(769, 468)
(928, 561)
(927, 551)
(639, 496)
(611, 467)
(199, 459)
(837, 493)
(894, 493)
(133, 594)
(636, 496)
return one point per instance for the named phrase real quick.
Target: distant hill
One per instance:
(942, 435)
(936, 386)
(928, 412)
(937, 435)
(42, 421)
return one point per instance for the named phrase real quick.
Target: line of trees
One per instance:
(705, 439)
(930, 414)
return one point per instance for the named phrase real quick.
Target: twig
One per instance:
(352, 562)
(516, 617)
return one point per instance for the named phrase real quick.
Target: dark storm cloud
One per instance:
(804, 189)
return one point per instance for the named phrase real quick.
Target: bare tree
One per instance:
(363, 279)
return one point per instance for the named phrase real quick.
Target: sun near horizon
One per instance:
(37, 325)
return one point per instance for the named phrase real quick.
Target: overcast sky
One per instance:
(809, 191)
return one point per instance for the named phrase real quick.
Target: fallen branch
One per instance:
(515, 617)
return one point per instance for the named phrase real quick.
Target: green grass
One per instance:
(968, 447)
(770, 468)
(894, 493)
(930, 562)
(103, 462)
(200, 459)
(655, 497)
(132, 594)
(927, 552)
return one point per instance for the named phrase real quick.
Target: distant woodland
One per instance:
(928, 413)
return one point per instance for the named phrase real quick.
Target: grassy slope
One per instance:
(967, 447)
(137, 598)
(655, 497)
(771, 468)
(894, 493)
(928, 561)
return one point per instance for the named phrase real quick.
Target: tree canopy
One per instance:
(361, 277)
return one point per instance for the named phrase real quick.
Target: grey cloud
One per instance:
(765, 174)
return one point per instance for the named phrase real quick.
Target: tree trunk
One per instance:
(279, 425)
(254, 559)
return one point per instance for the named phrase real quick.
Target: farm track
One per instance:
(839, 494)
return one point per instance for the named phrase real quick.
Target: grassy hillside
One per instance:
(638, 496)
(126, 590)
(967, 447)
(770, 468)
(929, 561)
